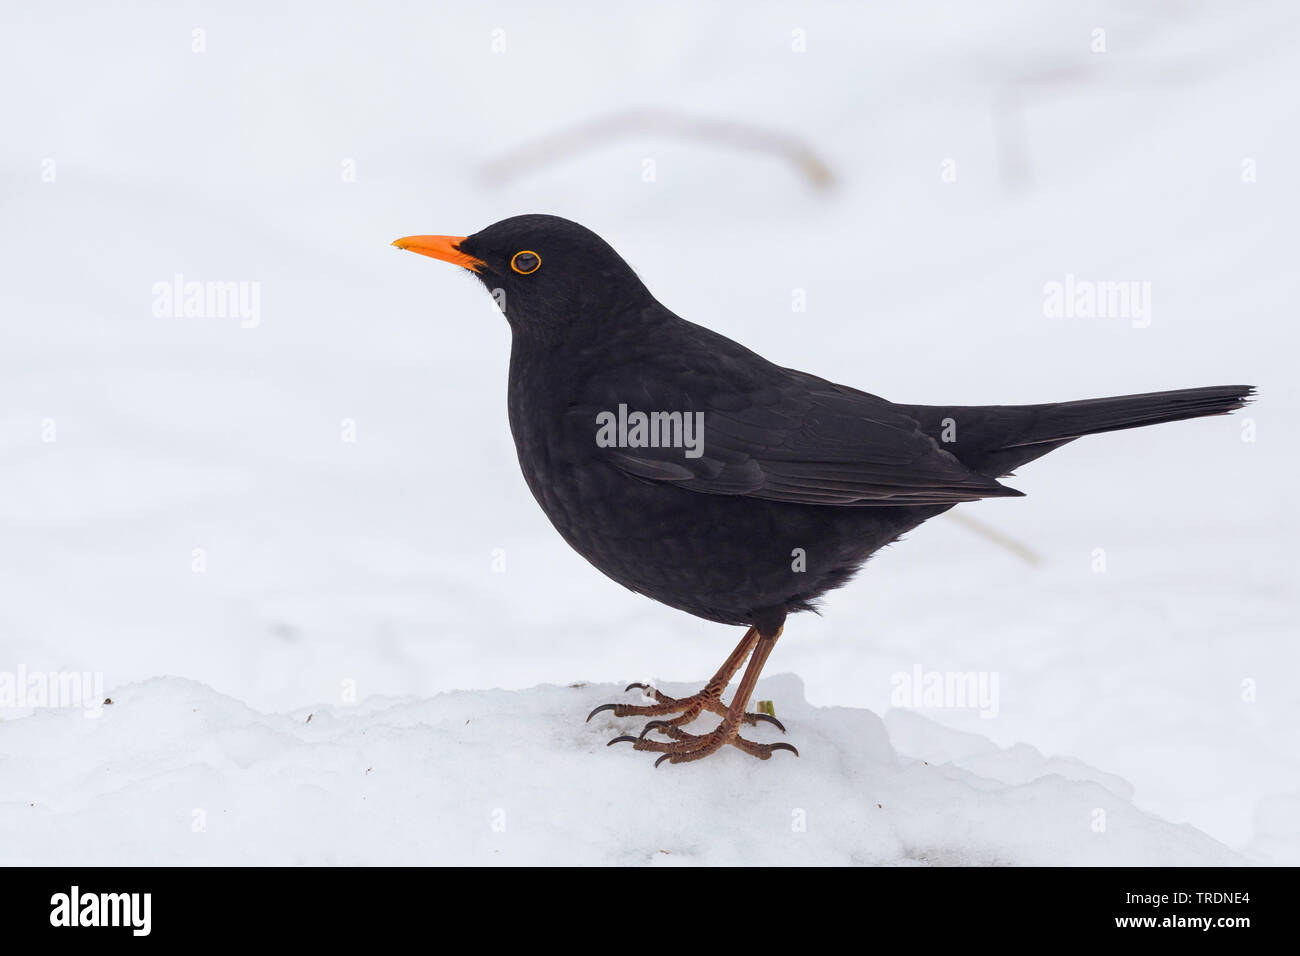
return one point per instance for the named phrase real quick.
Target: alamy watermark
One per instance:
(919, 689)
(83, 690)
(624, 429)
(132, 911)
(181, 299)
(1076, 298)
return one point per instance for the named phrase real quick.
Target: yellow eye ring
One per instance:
(526, 262)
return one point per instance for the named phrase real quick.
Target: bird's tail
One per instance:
(999, 438)
(1065, 420)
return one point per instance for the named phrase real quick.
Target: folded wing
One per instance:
(778, 434)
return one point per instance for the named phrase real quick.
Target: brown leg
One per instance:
(685, 747)
(688, 708)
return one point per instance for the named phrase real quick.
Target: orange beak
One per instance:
(446, 248)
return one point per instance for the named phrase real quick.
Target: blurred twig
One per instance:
(1020, 550)
(1013, 99)
(597, 132)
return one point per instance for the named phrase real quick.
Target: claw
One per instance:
(626, 739)
(666, 726)
(784, 746)
(653, 725)
(771, 720)
(630, 686)
(598, 710)
(662, 759)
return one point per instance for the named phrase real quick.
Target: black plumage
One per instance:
(796, 481)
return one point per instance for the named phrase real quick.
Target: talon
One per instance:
(771, 720)
(620, 740)
(630, 686)
(663, 758)
(653, 725)
(784, 746)
(598, 710)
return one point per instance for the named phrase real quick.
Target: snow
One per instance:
(178, 774)
(411, 565)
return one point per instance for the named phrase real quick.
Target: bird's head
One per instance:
(546, 273)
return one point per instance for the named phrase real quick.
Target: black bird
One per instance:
(694, 471)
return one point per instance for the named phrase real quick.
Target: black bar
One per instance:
(328, 906)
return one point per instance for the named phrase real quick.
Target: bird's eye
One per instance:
(526, 262)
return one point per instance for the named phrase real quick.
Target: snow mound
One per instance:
(174, 772)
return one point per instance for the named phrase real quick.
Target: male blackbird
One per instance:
(695, 472)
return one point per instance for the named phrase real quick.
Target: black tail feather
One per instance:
(994, 439)
(1067, 420)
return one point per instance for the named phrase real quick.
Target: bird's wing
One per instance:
(773, 433)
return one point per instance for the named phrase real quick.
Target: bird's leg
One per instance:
(685, 747)
(688, 708)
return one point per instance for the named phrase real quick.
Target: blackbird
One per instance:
(694, 471)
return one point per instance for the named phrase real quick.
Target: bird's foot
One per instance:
(687, 708)
(685, 746)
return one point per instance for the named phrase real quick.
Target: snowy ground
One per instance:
(376, 565)
(178, 773)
